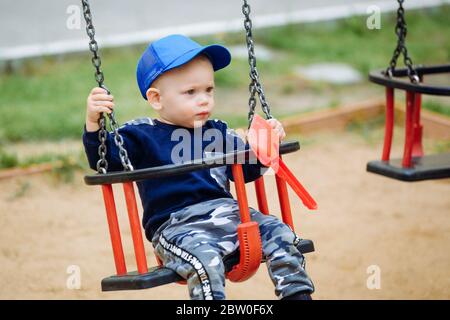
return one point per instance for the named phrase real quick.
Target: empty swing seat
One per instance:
(414, 166)
(435, 166)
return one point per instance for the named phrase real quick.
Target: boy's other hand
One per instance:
(98, 101)
(278, 127)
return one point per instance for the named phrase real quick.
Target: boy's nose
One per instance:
(203, 100)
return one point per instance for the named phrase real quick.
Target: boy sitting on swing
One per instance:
(195, 212)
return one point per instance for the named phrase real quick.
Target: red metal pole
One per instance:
(389, 125)
(285, 205)
(135, 226)
(114, 231)
(409, 132)
(261, 195)
(239, 183)
(417, 149)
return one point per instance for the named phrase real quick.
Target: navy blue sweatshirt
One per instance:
(151, 143)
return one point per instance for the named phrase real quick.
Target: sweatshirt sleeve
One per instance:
(91, 143)
(252, 171)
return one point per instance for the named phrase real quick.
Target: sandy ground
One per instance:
(365, 222)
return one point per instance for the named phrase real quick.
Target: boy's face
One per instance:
(184, 96)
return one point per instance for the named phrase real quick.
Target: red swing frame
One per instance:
(248, 232)
(413, 127)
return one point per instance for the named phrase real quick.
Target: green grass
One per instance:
(45, 98)
(48, 101)
(368, 130)
(349, 41)
(441, 147)
(437, 107)
(10, 160)
(64, 165)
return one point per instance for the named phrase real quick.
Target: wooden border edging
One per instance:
(436, 126)
(333, 119)
(38, 168)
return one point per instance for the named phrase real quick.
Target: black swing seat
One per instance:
(423, 168)
(396, 82)
(158, 276)
(435, 166)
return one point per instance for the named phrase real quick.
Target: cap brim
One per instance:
(219, 56)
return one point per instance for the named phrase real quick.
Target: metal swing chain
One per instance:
(401, 31)
(102, 164)
(255, 84)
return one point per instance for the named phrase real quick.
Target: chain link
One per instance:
(255, 84)
(102, 164)
(401, 32)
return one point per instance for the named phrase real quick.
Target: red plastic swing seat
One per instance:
(239, 267)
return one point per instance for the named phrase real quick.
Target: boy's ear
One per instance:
(154, 98)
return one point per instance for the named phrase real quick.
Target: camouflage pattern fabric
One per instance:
(194, 241)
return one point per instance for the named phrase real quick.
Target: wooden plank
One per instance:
(38, 168)
(333, 119)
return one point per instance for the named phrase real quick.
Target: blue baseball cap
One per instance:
(171, 52)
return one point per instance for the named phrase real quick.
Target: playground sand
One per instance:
(365, 223)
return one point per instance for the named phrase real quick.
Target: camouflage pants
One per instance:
(196, 239)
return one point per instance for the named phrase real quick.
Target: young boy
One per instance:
(194, 213)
